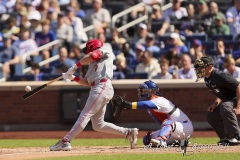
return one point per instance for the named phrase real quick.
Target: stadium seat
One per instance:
(156, 25)
(156, 55)
(23, 78)
(224, 9)
(236, 54)
(213, 52)
(115, 7)
(133, 66)
(190, 38)
(233, 45)
(118, 75)
(129, 60)
(46, 70)
(228, 51)
(164, 38)
(86, 6)
(37, 59)
(18, 68)
(86, 21)
(48, 77)
(224, 37)
(136, 76)
(208, 46)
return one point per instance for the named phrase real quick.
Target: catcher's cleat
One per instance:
(61, 146)
(158, 143)
(132, 136)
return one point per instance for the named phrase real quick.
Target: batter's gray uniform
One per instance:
(99, 75)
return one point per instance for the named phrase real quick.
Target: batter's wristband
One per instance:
(76, 79)
(78, 64)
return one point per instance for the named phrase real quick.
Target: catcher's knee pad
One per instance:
(168, 126)
(147, 138)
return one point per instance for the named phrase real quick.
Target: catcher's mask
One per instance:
(146, 89)
(200, 65)
(92, 45)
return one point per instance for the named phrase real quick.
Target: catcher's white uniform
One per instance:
(175, 125)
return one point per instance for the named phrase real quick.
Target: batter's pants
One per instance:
(100, 94)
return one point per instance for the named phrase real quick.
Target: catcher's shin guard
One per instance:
(158, 143)
(168, 126)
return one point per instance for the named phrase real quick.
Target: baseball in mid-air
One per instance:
(28, 88)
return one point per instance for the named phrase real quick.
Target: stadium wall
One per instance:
(45, 109)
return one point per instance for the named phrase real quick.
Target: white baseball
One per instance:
(28, 88)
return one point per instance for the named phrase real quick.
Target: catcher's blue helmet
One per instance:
(146, 89)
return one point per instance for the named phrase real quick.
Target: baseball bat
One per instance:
(38, 89)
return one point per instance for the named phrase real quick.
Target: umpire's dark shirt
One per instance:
(223, 85)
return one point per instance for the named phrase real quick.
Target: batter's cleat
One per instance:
(61, 146)
(158, 143)
(132, 136)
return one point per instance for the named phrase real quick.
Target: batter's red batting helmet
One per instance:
(92, 45)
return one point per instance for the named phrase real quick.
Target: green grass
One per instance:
(14, 143)
(197, 156)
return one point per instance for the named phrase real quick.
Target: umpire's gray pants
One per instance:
(224, 120)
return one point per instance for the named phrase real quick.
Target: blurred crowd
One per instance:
(162, 47)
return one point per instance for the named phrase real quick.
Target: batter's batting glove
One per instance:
(72, 70)
(68, 77)
(119, 104)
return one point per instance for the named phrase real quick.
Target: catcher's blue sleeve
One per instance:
(144, 105)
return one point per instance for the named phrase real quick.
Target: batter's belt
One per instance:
(101, 80)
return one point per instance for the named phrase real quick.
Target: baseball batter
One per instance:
(175, 125)
(99, 75)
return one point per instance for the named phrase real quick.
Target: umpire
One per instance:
(222, 114)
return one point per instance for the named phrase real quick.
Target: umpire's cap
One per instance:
(203, 62)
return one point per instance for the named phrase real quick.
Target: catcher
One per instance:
(175, 125)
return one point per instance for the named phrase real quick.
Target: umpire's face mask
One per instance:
(199, 69)
(200, 72)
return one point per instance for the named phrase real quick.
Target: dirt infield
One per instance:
(42, 152)
(36, 153)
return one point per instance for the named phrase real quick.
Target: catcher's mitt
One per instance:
(117, 103)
